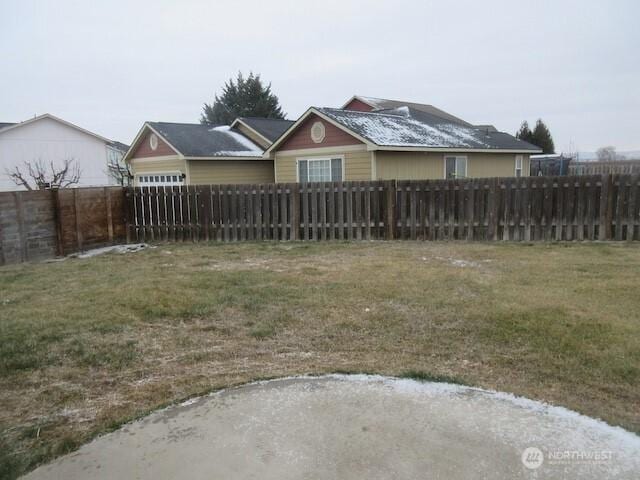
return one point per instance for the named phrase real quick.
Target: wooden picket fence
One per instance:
(514, 209)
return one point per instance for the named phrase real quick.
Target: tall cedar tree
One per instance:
(525, 132)
(242, 98)
(542, 138)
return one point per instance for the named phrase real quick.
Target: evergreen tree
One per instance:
(542, 137)
(525, 132)
(242, 98)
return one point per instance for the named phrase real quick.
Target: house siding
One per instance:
(357, 164)
(301, 138)
(427, 165)
(408, 165)
(144, 149)
(212, 172)
(50, 140)
(495, 165)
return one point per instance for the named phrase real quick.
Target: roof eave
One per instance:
(451, 149)
(227, 157)
(59, 120)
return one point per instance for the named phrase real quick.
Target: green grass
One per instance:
(88, 344)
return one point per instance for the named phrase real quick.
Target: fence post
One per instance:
(76, 212)
(107, 201)
(492, 207)
(295, 210)
(390, 200)
(57, 216)
(127, 199)
(606, 207)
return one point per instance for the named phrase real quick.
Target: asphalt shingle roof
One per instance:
(409, 127)
(5, 124)
(119, 146)
(386, 104)
(197, 140)
(270, 128)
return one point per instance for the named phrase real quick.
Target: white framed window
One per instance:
(455, 166)
(161, 179)
(329, 169)
(519, 163)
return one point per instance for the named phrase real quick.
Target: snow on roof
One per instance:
(406, 127)
(374, 102)
(251, 149)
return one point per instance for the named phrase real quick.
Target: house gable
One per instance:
(254, 136)
(358, 105)
(333, 136)
(143, 148)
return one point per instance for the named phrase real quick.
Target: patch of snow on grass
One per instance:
(458, 262)
(131, 248)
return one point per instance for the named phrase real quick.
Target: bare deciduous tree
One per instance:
(120, 172)
(608, 154)
(38, 175)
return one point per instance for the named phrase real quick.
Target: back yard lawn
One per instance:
(86, 344)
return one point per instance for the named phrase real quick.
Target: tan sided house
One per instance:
(166, 154)
(378, 139)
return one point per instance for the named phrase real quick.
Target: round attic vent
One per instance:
(153, 141)
(317, 132)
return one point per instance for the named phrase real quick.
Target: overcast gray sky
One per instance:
(109, 66)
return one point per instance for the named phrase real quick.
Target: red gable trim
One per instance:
(301, 137)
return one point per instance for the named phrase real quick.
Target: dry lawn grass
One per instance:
(87, 344)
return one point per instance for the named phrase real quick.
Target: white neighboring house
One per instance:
(48, 138)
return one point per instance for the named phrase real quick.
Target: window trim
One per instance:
(515, 170)
(325, 158)
(466, 165)
(158, 184)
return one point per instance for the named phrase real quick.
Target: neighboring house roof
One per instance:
(385, 104)
(119, 146)
(59, 120)
(549, 156)
(5, 124)
(197, 140)
(268, 128)
(408, 128)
